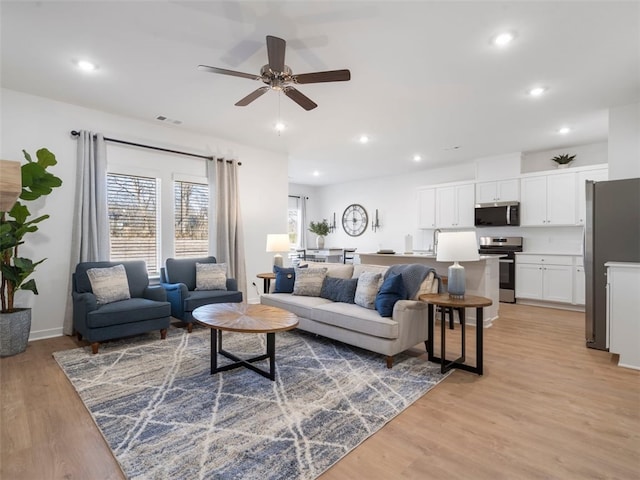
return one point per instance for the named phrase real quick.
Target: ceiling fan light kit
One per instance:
(278, 76)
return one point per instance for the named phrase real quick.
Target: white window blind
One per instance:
(133, 218)
(191, 207)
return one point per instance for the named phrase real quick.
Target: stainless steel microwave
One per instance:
(498, 214)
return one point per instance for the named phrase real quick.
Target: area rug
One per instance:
(165, 417)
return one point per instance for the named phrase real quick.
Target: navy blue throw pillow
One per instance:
(285, 279)
(390, 292)
(339, 289)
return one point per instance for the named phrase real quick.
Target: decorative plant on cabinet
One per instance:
(321, 229)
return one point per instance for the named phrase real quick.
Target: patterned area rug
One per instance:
(165, 417)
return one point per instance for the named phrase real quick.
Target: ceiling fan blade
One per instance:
(301, 99)
(233, 73)
(252, 96)
(275, 51)
(319, 77)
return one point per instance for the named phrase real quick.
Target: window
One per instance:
(133, 218)
(293, 221)
(191, 207)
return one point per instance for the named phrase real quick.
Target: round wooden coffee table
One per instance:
(244, 318)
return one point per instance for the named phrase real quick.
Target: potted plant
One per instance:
(563, 160)
(15, 323)
(321, 229)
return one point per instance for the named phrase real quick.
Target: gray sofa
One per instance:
(355, 325)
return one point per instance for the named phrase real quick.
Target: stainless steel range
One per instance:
(507, 246)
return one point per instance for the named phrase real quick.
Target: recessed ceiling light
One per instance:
(417, 158)
(364, 139)
(316, 173)
(280, 127)
(564, 130)
(503, 39)
(537, 91)
(86, 66)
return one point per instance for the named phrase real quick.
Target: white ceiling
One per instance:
(425, 78)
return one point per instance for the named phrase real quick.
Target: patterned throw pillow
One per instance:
(368, 286)
(211, 276)
(109, 284)
(390, 292)
(339, 289)
(309, 281)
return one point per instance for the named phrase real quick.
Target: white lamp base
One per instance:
(277, 260)
(456, 281)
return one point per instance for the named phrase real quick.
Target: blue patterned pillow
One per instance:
(390, 292)
(308, 281)
(339, 289)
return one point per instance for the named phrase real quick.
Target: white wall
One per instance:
(624, 142)
(30, 123)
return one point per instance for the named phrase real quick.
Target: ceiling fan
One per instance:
(279, 76)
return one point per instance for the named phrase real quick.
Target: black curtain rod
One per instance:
(298, 196)
(152, 147)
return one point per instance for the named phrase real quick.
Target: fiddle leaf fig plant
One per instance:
(17, 222)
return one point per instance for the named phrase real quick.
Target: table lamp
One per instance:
(457, 247)
(278, 242)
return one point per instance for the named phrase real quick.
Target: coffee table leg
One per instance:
(216, 336)
(271, 352)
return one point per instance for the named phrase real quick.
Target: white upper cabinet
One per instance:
(548, 199)
(427, 208)
(498, 191)
(455, 206)
(596, 175)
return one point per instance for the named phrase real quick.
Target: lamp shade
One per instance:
(457, 247)
(278, 242)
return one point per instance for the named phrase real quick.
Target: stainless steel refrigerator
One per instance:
(612, 234)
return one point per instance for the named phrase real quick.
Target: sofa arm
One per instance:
(232, 284)
(155, 292)
(404, 308)
(176, 293)
(83, 303)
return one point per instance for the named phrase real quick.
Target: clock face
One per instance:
(354, 220)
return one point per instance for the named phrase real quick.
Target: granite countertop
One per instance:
(550, 253)
(422, 255)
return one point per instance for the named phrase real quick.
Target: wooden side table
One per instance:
(266, 280)
(469, 301)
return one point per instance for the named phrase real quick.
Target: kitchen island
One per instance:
(482, 277)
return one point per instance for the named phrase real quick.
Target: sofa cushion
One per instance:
(359, 268)
(127, 311)
(391, 291)
(109, 284)
(335, 270)
(367, 289)
(211, 276)
(355, 318)
(339, 289)
(197, 298)
(285, 279)
(308, 281)
(300, 305)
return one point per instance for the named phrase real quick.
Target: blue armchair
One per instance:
(146, 310)
(178, 277)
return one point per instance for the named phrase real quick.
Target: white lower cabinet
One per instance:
(545, 277)
(623, 312)
(579, 296)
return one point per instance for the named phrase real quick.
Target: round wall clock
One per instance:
(354, 220)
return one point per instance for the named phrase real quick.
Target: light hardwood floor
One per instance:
(547, 407)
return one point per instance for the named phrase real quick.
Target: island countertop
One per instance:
(413, 256)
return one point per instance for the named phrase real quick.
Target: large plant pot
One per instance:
(14, 331)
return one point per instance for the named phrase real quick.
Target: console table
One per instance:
(460, 304)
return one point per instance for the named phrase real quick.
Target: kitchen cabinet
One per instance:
(623, 312)
(498, 191)
(427, 208)
(455, 206)
(579, 294)
(548, 200)
(596, 175)
(545, 277)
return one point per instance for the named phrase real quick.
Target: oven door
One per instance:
(508, 280)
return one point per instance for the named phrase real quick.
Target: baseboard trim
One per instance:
(42, 334)
(561, 306)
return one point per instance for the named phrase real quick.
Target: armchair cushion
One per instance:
(211, 276)
(127, 311)
(109, 284)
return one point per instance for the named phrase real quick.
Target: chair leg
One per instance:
(426, 345)
(389, 359)
(189, 327)
(94, 347)
(163, 333)
(79, 336)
